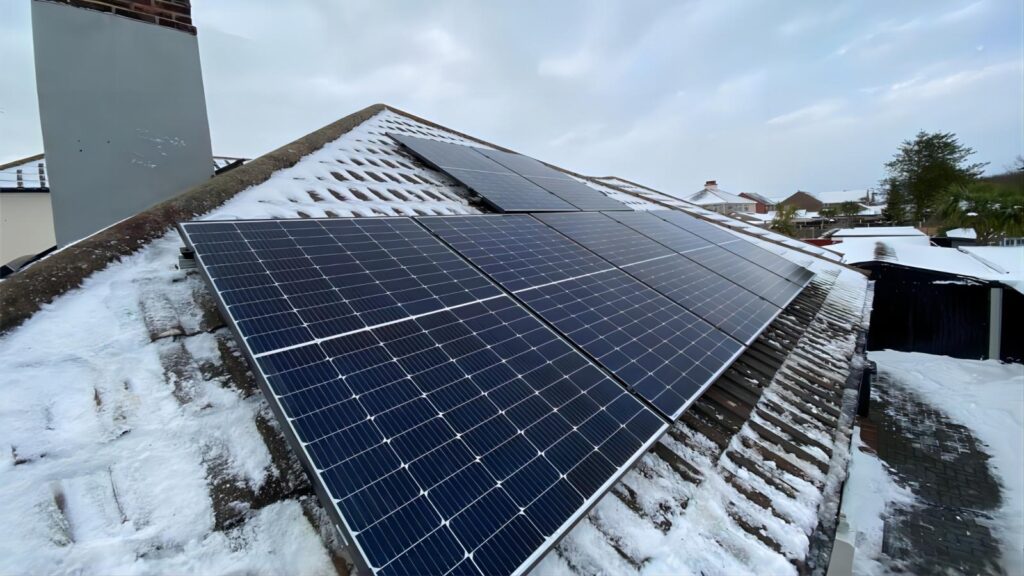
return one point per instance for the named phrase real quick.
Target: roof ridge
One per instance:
(14, 163)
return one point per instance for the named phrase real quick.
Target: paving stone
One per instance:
(948, 470)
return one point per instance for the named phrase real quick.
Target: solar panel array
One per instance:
(452, 431)
(660, 350)
(464, 388)
(726, 305)
(509, 182)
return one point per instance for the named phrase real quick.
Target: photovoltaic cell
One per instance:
(460, 438)
(500, 187)
(705, 230)
(662, 231)
(660, 350)
(722, 303)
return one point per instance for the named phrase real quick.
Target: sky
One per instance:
(766, 97)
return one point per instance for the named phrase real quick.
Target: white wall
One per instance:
(26, 224)
(123, 115)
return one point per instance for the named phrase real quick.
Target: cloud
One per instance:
(920, 88)
(808, 114)
(575, 65)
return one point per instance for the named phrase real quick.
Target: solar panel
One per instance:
(500, 187)
(743, 248)
(660, 350)
(558, 183)
(722, 303)
(451, 430)
(661, 231)
(771, 287)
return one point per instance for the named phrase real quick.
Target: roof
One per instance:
(839, 196)
(138, 437)
(877, 232)
(1001, 264)
(962, 233)
(711, 196)
(757, 198)
(29, 174)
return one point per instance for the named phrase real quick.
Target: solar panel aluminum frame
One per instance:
(298, 448)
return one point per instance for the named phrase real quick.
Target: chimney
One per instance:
(121, 105)
(711, 185)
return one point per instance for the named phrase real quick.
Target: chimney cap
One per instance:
(711, 184)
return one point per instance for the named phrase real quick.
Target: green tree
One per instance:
(923, 168)
(828, 213)
(993, 211)
(783, 221)
(895, 210)
(849, 208)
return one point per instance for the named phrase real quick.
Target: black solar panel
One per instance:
(558, 183)
(461, 435)
(705, 230)
(739, 246)
(510, 192)
(663, 352)
(727, 306)
(661, 231)
(771, 287)
(515, 250)
(500, 187)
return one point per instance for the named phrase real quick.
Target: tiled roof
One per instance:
(744, 482)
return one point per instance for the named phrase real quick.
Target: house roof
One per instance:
(711, 196)
(839, 196)
(139, 438)
(757, 198)
(982, 263)
(877, 232)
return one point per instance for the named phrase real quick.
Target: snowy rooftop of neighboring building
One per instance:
(140, 443)
(839, 196)
(986, 263)
(877, 232)
(713, 195)
(962, 233)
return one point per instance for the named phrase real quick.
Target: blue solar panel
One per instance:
(500, 187)
(462, 436)
(660, 350)
(661, 231)
(705, 230)
(722, 303)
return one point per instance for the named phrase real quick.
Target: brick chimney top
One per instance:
(175, 14)
(711, 185)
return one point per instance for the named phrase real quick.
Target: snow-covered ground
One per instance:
(986, 397)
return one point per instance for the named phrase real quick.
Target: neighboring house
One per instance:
(26, 213)
(178, 405)
(762, 204)
(802, 201)
(711, 197)
(965, 303)
(836, 198)
(878, 232)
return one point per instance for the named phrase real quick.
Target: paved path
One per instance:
(948, 471)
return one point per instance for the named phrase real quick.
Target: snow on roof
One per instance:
(139, 442)
(839, 196)
(758, 197)
(964, 233)
(878, 232)
(711, 196)
(984, 263)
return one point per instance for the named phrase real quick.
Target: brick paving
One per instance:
(948, 471)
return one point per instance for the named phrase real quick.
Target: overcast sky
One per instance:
(762, 96)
